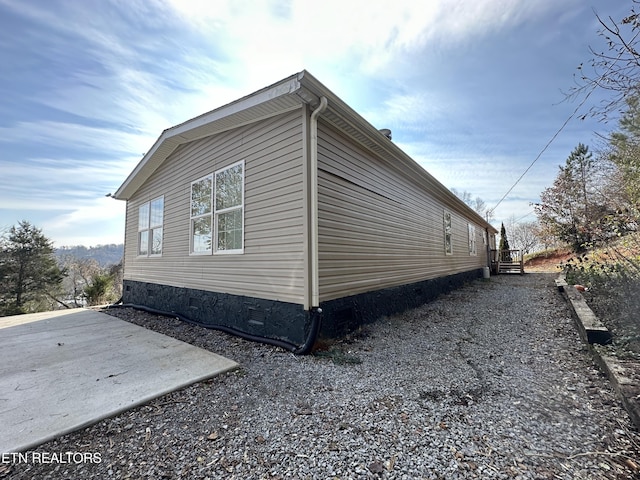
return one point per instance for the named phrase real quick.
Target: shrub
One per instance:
(99, 290)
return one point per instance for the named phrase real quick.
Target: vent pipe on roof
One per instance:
(386, 132)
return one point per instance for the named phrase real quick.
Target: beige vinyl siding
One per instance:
(378, 227)
(272, 265)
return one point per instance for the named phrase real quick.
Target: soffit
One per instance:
(347, 120)
(274, 100)
(283, 96)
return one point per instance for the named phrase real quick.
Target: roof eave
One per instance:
(272, 100)
(380, 143)
(218, 120)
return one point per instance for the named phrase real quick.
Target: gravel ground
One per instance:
(617, 305)
(489, 381)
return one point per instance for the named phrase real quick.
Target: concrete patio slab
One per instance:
(62, 371)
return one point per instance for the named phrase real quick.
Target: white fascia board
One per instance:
(176, 136)
(283, 88)
(350, 116)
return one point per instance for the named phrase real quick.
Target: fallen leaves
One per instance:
(631, 464)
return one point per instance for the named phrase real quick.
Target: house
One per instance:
(285, 213)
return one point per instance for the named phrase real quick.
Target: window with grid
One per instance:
(201, 210)
(448, 245)
(229, 209)
(217, 212)
(150, 221)
(472, 240)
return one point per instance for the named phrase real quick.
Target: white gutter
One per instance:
(313, 166)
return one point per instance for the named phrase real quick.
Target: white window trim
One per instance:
(473, 250)
(214, 213)
(204, 215)
(217, 212)
(444, 228)
(150, 228)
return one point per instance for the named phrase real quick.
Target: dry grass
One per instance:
(547, 261)
(611, 274)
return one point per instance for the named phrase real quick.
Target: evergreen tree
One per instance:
(574, 207)
(98, 291)
(505, 254)
(504, 241)
(28, 270)
(625, 151)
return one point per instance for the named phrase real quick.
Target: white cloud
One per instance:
(128, 71)
(60, 184)
(485, 175)
(373, 32)
(79, 225)
(74, 137)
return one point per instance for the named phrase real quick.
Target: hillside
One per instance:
(550, 261)
(105, 255)
(610, 276)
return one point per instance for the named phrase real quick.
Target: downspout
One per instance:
(314, 304)
(316, 312)
(313, 167)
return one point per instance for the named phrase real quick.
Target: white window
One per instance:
(217, 212)
(448, 245)
(150, 220)
(229, 209)
(472, 240)
(201, 210)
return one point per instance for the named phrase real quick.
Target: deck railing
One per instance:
(507, 261)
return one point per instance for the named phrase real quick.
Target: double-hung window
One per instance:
(150, 219)
(217, 212)
(201, 208)
(448, 244)
(229, 209)
(472, 240)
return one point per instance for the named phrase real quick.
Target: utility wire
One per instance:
(586, 97)
(524, 216)
(555, 135)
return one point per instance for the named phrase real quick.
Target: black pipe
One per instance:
(314, 331)
(298, 350)
(116, 303)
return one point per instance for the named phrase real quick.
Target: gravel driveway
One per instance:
(489, 381)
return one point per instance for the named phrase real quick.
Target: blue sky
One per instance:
(471, 90)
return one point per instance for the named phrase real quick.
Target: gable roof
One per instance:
(286, 95)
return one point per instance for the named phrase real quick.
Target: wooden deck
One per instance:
(507, 261)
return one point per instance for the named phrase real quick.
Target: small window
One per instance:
(472, 240)
(201, 215)
(150, 221)
(448, 245)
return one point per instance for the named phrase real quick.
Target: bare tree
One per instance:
(616, 69)
(477, 204)
(80, 273)
(524, 235)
